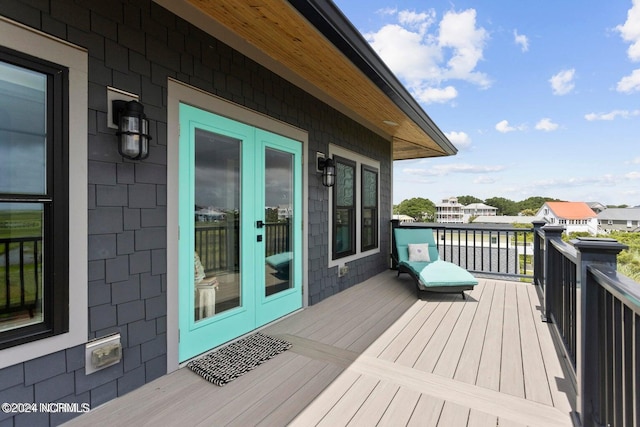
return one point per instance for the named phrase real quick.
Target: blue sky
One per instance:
(541, 98)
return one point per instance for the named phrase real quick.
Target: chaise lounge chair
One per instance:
(417, 254)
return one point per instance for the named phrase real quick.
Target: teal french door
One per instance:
(240, 218)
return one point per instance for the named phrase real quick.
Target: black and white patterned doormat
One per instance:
(228, 363)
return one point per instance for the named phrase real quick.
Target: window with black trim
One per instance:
(34, 199)
(369, 214)
(344, 208)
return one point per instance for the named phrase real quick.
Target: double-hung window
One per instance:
(344, 208)
(354, 218)
(369, 216)
(34, 206)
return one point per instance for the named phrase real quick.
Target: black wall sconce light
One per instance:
(133, 129)
(328, 169)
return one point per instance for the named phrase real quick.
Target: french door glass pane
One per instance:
(21, 264)
(279, 213)
(217, 224)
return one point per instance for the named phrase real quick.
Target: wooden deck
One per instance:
(376, 355)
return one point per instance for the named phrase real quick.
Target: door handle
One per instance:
(259, 237)
(259, 224)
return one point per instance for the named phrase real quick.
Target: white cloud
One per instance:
(459, 139)
(429, 95)
(458, 31)
(421, 21)
(630, 31)
(630, 83)
(440, 170)
(546, 125)
(484, 179)
(505, 127)
(562, 83)
(636, 161)
(424, 56)
(604, 180)
(522, 40)
(611, 115)
(633, 175)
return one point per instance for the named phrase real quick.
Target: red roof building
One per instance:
(574, 216)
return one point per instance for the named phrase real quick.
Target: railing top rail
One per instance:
(619, 285)
(470, 227)
(565, 249)
(20, 239)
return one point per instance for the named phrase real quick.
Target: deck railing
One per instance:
(19, 259)
(484, 249)
(593, 309)
(596, 316)
(218, 244)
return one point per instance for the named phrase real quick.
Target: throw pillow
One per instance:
(419, 252)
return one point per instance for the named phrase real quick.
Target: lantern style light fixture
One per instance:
(133, 129)
(328, 168)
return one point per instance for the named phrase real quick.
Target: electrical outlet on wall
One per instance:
(343, 270)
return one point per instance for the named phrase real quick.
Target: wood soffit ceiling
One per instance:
(279, 31)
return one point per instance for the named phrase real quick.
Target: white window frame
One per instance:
(40, 45)
(360, 160)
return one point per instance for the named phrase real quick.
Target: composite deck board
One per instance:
(469, 362)
(491, 358)
(344, 410)
(391, 344)
(399, 411)
(449, 357)
(374, 407)
(562, 388)
(376, 355)
(532, 362)
(427, 412)
(333, 328)
(263, 404)
(290, 408)
(314, 414)
(481, 419)
(415, 347)
(454, 415)
(432, 351)
(511, 375)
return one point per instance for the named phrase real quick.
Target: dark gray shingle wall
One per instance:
(135, 46)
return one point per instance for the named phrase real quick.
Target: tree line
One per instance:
(425, 210)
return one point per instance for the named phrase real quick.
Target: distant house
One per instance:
(505, 219)
(478, 209)
(209, 214)
(619, 219)
(404, 218)
(574, 216)
(597, 207)
(450, 211)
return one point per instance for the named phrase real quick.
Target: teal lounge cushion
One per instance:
(280, 261)
(442, 273)
(405, 236)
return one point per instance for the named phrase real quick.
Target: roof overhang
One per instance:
(314, 46)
